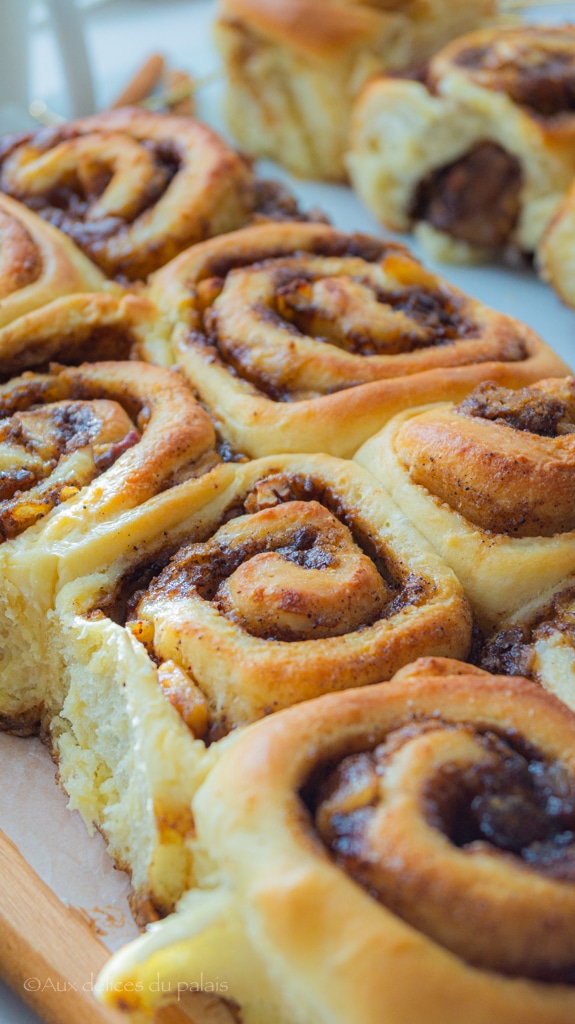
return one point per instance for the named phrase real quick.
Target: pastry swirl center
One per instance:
(446, 824)
(290, 572)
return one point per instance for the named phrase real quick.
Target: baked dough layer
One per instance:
(298, 337)
(284, 919)
(478, 155)
(489, 484)
(295, 66)
(217, 603)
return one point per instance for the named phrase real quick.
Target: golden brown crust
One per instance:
(299, 337)
(321, 29)
(126, 429)
(504, 475)
(445, 738)
(132, 188)
(490, 483)
(37, 263)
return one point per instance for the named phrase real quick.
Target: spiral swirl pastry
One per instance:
(37, 263)
(491, 483)
(301, 338)
(130, 187)
(60, 431)
(310, 585)
(257, 586)
(390, 853)
(479, 154)
(79, 448)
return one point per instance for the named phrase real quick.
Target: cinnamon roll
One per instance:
(479, 153)
(294, 66)
(130, 187)
(491, 483)
(391, 853)
(79, 447)
(299, 337)
(37, 263)
(258, 586)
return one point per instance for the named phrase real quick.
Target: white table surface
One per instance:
(120, 35)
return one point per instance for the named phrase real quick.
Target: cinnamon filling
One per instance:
(50, 453)
(273, 201)
(529, 409)
(490, 796)
(538, 78)
(340, 246)
(511, 651)
(258, 317)
(435, 317)
(524, 805)
(84, 344)
(476, 199)
(268, 573)
(67, 205)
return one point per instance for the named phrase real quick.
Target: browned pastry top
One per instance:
(130, 187)
(324, 28)
(503, 459)
(434, 818)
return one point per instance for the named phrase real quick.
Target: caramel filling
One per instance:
(446, 825)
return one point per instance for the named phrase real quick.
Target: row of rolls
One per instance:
(288, 587)
(449, 120)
